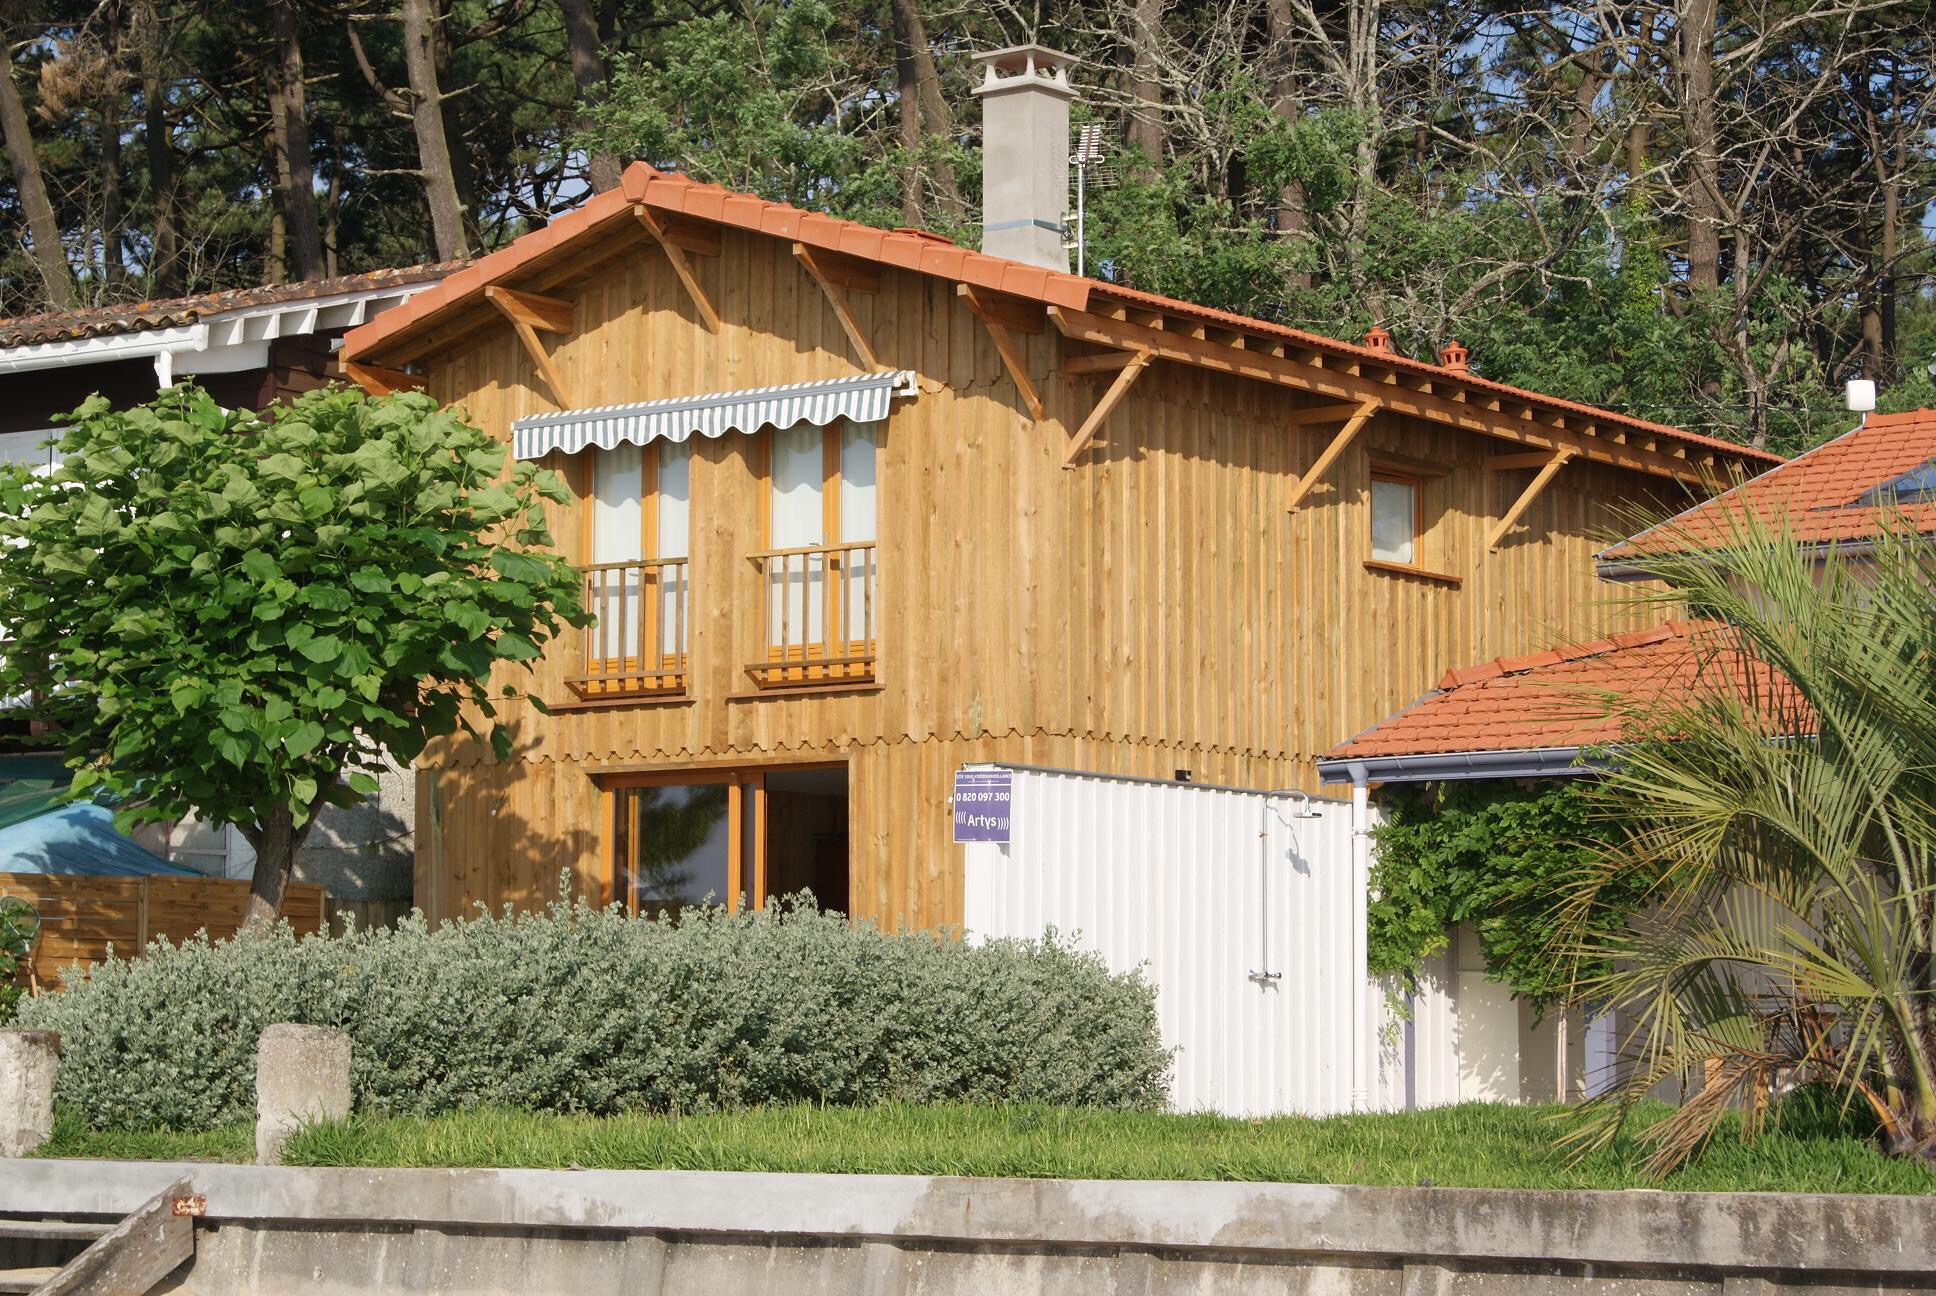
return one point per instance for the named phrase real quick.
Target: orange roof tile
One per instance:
(1566, 697)
(1817, 497)
(913, 250)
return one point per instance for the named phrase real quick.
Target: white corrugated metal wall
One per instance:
(1205, 887)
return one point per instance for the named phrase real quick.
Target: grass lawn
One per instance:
(1467, 1146)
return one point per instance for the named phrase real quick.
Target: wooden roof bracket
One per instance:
(681, 266)
(836, 296)
(378, 381)
(1005, 346)
(529, 313)
(1107, 362)
(1549, 468)
(1117, 390)
(1360, 416)
(1340, 383)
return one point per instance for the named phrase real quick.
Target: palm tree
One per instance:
(1786, 808)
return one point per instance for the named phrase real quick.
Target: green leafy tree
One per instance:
(1500, 856)
(236, 615)
(1791, 822)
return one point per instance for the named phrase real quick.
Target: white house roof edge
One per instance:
(203, 335)
(861, 398)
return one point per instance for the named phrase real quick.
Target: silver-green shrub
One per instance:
(579, 1009)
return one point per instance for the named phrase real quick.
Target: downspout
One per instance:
(1261, 975)
(1360, 954)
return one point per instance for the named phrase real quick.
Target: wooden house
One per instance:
(859, 507)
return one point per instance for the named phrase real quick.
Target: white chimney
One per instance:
(1025, 95)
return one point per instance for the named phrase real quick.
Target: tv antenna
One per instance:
(1088, 155)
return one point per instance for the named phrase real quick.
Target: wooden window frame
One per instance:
(745, 861)
(1399, 477)
(637, 679)
(853, 667)
(1415, 477)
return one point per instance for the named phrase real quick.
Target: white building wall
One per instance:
(1237, 904)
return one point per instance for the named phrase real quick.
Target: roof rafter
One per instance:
(1335, 381)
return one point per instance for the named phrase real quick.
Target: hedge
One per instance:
(579, 1009)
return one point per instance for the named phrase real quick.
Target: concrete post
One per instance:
(302, 1075)
(28, 1062)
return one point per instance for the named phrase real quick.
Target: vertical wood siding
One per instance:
(1153, 608)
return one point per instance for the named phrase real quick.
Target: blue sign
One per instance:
(983, 798)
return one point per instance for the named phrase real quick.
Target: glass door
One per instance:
(688, 838)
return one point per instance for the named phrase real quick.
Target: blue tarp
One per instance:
(78, 838)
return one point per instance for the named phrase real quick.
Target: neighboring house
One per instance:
(248, 347)
(1553, 714)
(861, 507)
(1834, 495)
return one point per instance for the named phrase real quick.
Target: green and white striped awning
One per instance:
(861, 399)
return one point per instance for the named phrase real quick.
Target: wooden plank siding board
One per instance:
(1153, 608)
(82, 917)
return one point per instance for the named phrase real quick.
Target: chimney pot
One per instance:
(1378, 339)
(1025, 95)
(1453, 356)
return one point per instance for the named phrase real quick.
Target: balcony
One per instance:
(636, 645)
(818, 611)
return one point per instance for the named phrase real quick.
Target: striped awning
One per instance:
(860, 399)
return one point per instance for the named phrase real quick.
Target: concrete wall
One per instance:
(588, 1233)
(366, 851)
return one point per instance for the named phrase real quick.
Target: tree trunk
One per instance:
(164, 261)
(936, 121)
(1703, 182)
(113, 208)
(275, 840)
(433, 147)
(1145, 91)
(297, 171)
(588, 71)
(1292, 216)
(49, 256)
(908, 104)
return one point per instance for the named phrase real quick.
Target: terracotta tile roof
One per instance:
(910, 250)
(1818, 496)
(135, 317)
(1563, 697)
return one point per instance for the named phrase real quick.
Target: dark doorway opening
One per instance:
(806, 834)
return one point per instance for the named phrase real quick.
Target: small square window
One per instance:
(1394, 518)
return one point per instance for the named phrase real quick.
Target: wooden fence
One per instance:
(81, 916)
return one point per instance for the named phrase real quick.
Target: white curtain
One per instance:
(674, 507)
(859, 445)
(617, 493)
(797, 522)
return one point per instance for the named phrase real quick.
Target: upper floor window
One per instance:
(1397, 517)
(637, 579)
(819, 564)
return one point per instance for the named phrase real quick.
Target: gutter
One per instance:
(1434, 767)
(94, 350)
(1626, 571)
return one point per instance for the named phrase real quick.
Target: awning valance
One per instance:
(863, 398)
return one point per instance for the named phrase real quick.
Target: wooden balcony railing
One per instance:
(819, 614)
(636, 643)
